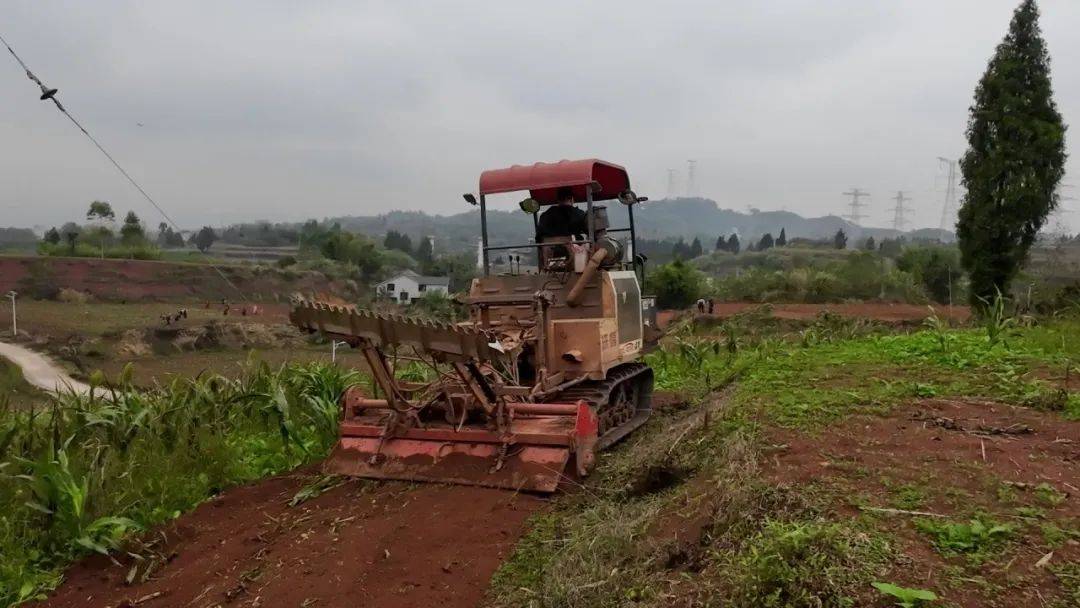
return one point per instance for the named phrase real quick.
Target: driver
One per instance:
(562, 219)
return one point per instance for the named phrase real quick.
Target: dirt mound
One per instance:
(216, 334)
(360, 544)
(212, 335)
(133, 343)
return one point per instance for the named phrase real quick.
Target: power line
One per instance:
(900, 211)
(671, 183)
(948, 208)
(691, 183)
(855, 215)
(48, 94)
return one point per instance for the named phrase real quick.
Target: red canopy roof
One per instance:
(543, 180)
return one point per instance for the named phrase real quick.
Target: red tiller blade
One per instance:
(528, 468)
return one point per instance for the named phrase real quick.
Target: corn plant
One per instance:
(89, 470)
(996, 319)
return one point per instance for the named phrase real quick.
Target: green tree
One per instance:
(204, 238)
(52, 236)
(132, 233)
(869, 244)
(721, 244)
(399, 241)
(695, 248)
(840, 239)
(166, 237)
(435, 305)
(676, 285)
(102, 211)
(766, 242)
(71, 237)
(355, 249)
(936, 268)
(891, 247)
(680, 250)
(781, 241)
(425, 251)
(733, 244)
(1014, 161)
(460, 268)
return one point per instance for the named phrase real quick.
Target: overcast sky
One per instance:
(286, 110)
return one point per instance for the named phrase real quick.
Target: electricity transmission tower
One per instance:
(691, 184)
(948, 209)
(671, 183)
(1057, 215)
(856, 204)
(900, 211)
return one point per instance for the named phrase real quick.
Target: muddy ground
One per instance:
(385, 544)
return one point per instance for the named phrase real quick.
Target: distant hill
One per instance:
(667, 218)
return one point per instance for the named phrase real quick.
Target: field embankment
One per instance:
(140, 280)
(884, 312)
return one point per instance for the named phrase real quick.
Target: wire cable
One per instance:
(48, 94)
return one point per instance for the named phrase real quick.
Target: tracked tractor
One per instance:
(545, 372)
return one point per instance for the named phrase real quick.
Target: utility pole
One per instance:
(948, 208)
(856, 204)
(671, 183)
(899, 221)
(691, 185)
(14, 323)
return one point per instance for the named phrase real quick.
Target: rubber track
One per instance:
(597, 393)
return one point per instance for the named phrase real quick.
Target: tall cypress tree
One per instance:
(733, 243)
(1015, 159)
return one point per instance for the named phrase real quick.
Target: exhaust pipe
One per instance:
(597, 258)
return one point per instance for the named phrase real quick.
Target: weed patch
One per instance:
(974, 537)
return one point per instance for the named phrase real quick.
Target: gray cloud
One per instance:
(286, 110)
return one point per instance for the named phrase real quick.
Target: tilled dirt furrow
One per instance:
(363, 543)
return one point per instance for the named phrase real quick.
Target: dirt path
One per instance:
(381, 544)
(39, 371)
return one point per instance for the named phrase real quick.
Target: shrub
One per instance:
(676, 285)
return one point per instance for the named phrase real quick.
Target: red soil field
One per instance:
(964, 454)
(387, 544)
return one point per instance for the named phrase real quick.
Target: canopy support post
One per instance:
(484, 234)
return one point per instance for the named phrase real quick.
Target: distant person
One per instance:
(701, 305)
(712, 303)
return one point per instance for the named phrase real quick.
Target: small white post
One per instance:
(14, 322)
(334, 344)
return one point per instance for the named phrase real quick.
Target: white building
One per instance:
(406, 286)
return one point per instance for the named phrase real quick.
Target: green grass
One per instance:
(761, 545)
(975, 537)
(14, 389)
(82, 475)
